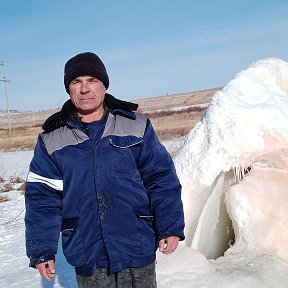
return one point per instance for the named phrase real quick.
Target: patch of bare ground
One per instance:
(177, 100)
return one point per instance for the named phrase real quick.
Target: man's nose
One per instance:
(85, 87)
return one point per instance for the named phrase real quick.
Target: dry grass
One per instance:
(167, 122)
(175, 125)
(4, 199)
(166, 125)
(6, 188)
(21, 138)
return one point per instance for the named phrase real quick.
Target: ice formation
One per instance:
(234, 165)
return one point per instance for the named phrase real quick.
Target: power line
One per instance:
(5, 81)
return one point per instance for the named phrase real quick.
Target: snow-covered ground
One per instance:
(185, 268)
(234, 162)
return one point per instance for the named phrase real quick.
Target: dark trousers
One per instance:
(141, 277)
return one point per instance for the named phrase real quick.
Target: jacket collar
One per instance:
(68, 112)
(127, 114)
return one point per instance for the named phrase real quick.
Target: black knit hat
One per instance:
(85, 64)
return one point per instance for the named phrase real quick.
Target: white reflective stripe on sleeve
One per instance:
(53, 183)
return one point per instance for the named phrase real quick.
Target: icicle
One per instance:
(239, 173)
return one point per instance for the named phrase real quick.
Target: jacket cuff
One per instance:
(181, 236)
(41, 259)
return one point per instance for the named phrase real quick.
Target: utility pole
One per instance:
(5, 81)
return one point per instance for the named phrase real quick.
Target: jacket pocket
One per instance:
(124, 155)
(146, 229)
(124, 141)
(72, 246)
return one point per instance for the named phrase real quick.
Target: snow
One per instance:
(246, 122)
(262, 222)
(180, 108)
(233, 167)
(15, 163)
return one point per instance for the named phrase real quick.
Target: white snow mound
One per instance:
(244, 132)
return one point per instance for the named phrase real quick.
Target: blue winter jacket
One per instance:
(112, 198)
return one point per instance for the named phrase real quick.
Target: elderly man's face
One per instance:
(87, 94)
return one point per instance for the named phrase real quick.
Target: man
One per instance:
(100, 176)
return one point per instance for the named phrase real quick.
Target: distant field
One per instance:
(172, 116)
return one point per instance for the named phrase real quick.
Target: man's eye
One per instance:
(92, 80)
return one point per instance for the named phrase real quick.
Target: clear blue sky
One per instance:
(150, 48)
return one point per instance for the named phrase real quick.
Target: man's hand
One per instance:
(46, 269)
(168, 245)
